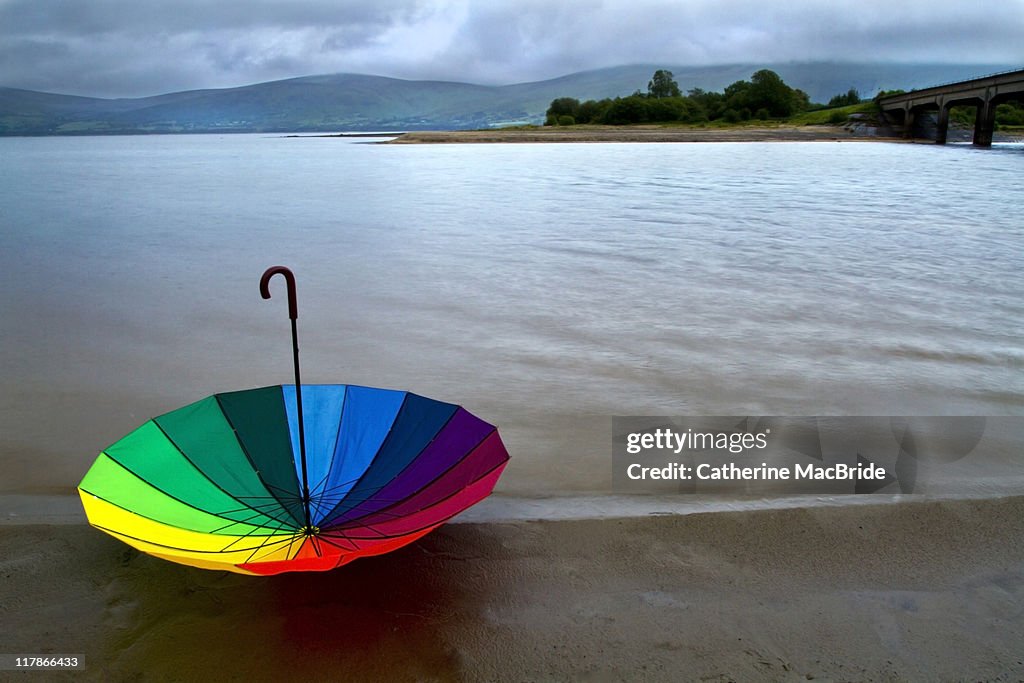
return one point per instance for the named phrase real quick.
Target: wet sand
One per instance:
(637, 134)
(910, 591)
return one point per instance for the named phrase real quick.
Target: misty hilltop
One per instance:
(356, 102)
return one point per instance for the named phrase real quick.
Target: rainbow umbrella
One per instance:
(291, 477)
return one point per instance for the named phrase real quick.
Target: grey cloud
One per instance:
(108, 47)
(509, 41)
(137, 47)
(89, 17)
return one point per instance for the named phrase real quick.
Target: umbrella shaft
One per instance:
(302, 429)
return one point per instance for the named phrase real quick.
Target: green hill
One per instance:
(357, 102)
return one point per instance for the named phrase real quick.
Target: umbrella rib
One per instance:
(370, 493)
(330, 505)
(371, 527)
(288, 553)
(207, 477)
(411, 460)
(318, 505)
(328, 541)
(455, 464)
(366, 495)
(251, 535)
(291, 542)
(228, 526)
(257, 513)
(169, 547)
(383, 511)
(320, 483)
(334, 498)
(381, 536)
(384, 441)
(157, 521)
(426, 507)
(268, 544)
(285, 492)
(165, 493)
(337, 437)
(353, 483)
(317, 499)
(248, 457)
(327, 492)
(342, 485)
(273, 506)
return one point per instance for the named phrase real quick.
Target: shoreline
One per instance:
(640, 133)
(65, 509)
(655, 133)
(919, 591)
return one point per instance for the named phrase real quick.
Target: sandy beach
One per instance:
(892, 592)
(651, 133)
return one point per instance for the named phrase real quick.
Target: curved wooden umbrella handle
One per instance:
(289, 277)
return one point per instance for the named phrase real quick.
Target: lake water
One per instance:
(544, 287)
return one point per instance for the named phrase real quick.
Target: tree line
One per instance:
(764, 96)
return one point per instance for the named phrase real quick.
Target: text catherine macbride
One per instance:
(748, 444)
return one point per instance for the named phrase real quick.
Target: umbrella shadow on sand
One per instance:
(410, 614)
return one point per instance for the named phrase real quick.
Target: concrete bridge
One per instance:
(984, 93)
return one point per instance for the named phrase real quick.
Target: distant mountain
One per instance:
(355, 102)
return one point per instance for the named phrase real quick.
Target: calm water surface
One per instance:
(544, 287)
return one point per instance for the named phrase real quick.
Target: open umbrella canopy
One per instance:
(218, 483)
(291, 477)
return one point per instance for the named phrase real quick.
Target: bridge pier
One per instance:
(942, 126)
(908, 123)
(984, 123)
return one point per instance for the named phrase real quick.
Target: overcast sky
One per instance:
(144, 47)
